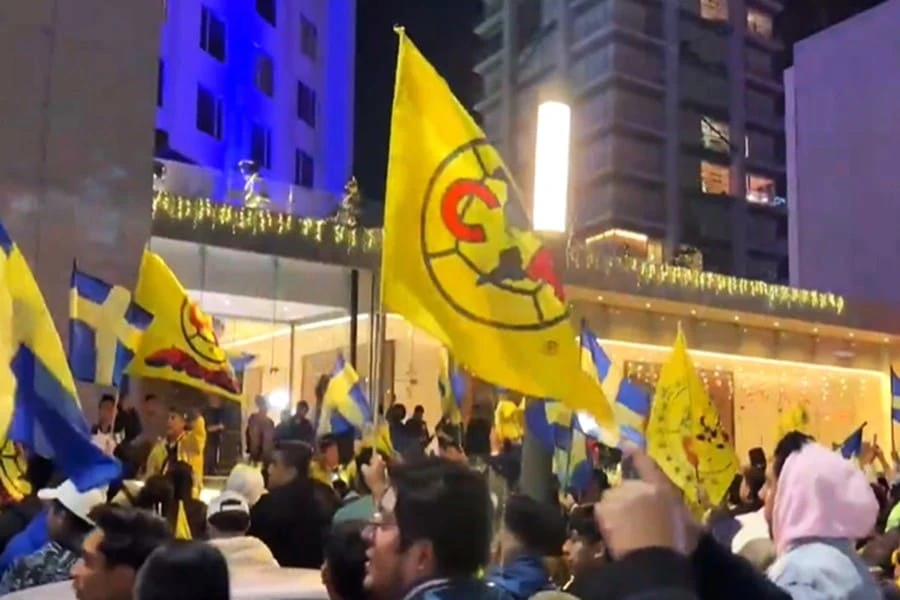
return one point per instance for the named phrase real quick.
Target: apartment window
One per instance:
(309, 38)
(306, 104)
(209, 113)
(261, 146)
(760, 190)
(759, 23)
(714, 179)
(212, 34)
(715, 135)
(304, 168)
(263, 74)
(160, 72)
(266, 10)
(714, 10)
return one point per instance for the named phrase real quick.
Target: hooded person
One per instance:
(818, 505)
(530, 532)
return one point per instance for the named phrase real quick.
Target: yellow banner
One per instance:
(684, 434)
(459, 258)
(180, 344)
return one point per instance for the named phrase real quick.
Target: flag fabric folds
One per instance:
(852, 446)
(632, 402)
(464, 265)
(452, 389)
(181, 344)
(7, 351)
(344, 405)
(895, 397)
(105, 329)
(47, 417)
(684, 434)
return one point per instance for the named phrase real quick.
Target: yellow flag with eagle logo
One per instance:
(460, 260)
(180, 344)
(684, 433)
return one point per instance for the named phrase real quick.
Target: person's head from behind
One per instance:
(434, 521)
(114, 551)
(530, 528)
(584, 547)
(450, 449)
(792, 442)
(228, 515)
(329, 451)
(246, 481)
(156, 495)
(262, 406)
(184, 571)
(106, 410)
(418, 413)
(752, 481)
(182, 477)
(290, 462)
(344, 568)
(302, 410)
(176, 423)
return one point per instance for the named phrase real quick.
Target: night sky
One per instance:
(443, 31)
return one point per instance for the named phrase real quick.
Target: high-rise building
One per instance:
(677, 133)
(265, 80)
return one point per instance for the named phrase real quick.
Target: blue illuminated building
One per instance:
(267, 80)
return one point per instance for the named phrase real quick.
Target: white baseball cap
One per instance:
(78, 503)
(227, 502)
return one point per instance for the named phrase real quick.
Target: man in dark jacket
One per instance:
(294, 517)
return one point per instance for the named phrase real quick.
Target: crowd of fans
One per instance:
(806, 523)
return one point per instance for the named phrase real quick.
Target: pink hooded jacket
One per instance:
(821, 495)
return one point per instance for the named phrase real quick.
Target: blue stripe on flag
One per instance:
(90, 288)
(82, 350)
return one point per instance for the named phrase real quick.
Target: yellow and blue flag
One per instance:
(105, 329)
(464, 264)
(632, 401)
(556, 427)
(47, 417)
(452, 389)
(344, 405)
(181, 344)
(895, 397)
(852, 446)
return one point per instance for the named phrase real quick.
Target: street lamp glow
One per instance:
(551, 166)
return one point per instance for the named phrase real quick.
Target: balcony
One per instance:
(206, 206)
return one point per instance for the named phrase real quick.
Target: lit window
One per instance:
(760, 190)
(715, 135)
(759, 23)
(714, 10)
(714, 179)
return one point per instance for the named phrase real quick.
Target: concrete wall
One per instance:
(843, 145)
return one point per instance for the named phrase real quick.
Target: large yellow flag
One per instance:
(459, 259)
(180, 344)
(684, 434)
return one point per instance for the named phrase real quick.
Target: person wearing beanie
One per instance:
(530, 532)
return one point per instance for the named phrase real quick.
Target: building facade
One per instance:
(676, 127)
(842, 144)
(267, 80)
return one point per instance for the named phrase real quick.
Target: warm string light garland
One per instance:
(664, 275)
(203, 212)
